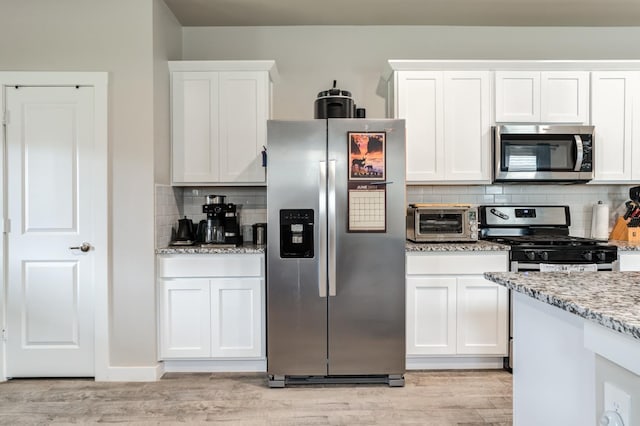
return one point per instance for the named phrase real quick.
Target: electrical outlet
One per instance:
(615, 399)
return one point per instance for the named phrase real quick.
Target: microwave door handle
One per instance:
(580, 153)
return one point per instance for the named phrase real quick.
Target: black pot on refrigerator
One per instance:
(334, 103)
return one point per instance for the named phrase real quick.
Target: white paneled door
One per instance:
(50, 288)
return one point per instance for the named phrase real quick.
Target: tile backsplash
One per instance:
(579, 197)
(172, 203)
(168, 210)
(188, 201)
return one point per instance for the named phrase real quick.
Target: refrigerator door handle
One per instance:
(322, 230)
(331, 205)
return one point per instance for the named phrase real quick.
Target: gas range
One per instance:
(539, 237)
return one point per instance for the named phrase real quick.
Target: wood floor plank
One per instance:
(439, 398)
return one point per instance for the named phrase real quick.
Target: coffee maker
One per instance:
(222, 226)
(214, 207)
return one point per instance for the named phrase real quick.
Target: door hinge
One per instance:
(4, 335)
(6, 226)
(5, 117)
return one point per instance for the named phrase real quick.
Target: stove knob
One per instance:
(587, 255)
(544, 255)
(531, 255)
(601, 256)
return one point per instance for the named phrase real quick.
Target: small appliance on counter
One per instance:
(184, 236)
(221, 226)
(442, 222)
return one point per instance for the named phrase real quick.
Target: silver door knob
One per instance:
(85, 247)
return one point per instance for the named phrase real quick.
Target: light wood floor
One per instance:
(428, 398)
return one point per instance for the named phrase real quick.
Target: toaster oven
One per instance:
(442, 223)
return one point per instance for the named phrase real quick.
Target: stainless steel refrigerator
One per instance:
(336, 251)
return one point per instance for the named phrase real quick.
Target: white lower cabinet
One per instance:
(211, 307)
(185, 321)
(629, 261)
(236, 317)
(452, 311)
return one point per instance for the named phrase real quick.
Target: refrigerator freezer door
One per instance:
(366, 333)
(296, 310)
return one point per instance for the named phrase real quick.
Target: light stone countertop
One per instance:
(410, 247)
(196, 249)
(625, 245)
(444, 247)
(611, 299)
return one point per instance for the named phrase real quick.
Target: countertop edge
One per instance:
(603, 319)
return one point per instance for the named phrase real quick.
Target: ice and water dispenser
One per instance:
(296, 233)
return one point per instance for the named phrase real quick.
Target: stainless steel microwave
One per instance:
(442, 222)
(535, 153)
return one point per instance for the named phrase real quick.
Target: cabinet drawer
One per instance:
(211, 265)
(457, 263)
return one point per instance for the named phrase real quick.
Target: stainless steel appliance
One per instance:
(335, 276)
(540, 241)
(222, 225)
(442, 222)
(553, 153)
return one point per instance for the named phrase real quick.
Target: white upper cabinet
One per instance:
(219, 113)
(615, 159)
(448, 124)
(542, 96)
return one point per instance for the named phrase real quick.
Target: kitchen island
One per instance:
(565, 326)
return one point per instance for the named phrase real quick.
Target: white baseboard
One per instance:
(453, 363)
(133, 374)
(215, 366)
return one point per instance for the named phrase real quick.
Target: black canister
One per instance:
(334, 103)
(259, 234)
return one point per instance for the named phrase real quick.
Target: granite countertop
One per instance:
(477, 246)
(197, 249)
(611, 299)
(625, 245)
(410, 247)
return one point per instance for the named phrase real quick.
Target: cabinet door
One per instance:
(431, 315)
(419, 102)
(185, 319)
(467, 126)
(244, 110)
(564, 97)
(611, 104)
(482, 317)
(517, 96)
(194, 126)
(237, 317)
(629, 261)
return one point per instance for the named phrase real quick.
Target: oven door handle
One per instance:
(523, 266)
(579, 153)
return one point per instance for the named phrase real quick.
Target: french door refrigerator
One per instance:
(336, 251)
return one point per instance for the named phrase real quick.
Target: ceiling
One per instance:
(407, 12)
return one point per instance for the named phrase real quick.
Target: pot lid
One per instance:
(334, 92)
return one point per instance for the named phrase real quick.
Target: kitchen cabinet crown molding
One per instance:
(491, 65)
(242, 65)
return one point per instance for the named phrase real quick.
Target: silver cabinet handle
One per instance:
(85, 247)
(331, 203)
(322, 231)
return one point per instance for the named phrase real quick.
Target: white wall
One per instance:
(309, 58)
(113, 36)
(167, 46)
